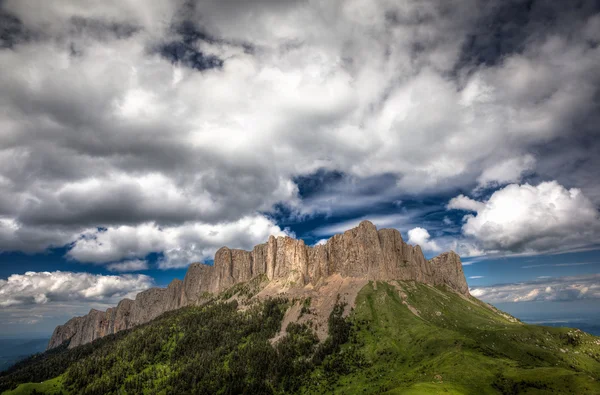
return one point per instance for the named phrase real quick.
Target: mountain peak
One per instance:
(367, 224)
(363, 253)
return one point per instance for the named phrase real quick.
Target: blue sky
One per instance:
(136, 139)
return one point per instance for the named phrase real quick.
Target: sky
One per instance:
(139, 137)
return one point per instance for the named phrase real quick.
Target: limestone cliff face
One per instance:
(363, 252)
(447, 270)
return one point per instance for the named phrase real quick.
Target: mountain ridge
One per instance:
(400, 337)
(360, 253)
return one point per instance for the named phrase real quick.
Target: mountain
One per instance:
(360, 253)
(364, 313)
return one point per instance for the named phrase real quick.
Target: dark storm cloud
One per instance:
(184, 50)
(174, 118)
(99, 29)
(506, 27)
(188, 55)
(12, 30)
(569, 160)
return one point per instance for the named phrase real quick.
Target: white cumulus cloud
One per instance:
(35, 288)
(421, 237)
(181, 244)
(528, 219)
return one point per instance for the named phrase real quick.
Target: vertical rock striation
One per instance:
(363, 252)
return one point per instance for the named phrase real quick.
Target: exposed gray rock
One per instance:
(64, 332)
(448, 271)
(362, 252)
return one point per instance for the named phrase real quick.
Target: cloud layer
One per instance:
(40, 288)
(554, 289)
(132, 265)
(35, 302)
(130, 128)
(180, 245)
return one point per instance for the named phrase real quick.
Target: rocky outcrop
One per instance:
(448, 271)
(363, 252)
(65, 332)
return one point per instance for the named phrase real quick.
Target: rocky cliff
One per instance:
(363, 252)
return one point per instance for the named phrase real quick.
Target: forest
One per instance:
(216, 348)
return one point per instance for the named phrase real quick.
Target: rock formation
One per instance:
(362, 252)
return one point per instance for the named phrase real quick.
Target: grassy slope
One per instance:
(50, 387)
(459, 346)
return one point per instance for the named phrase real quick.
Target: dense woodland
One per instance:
(206, 350)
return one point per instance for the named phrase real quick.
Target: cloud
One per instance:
(40, 288)
(133, 265)
(554, 289)
(398, 221)
(462, 202)
(464, 248)
(506, 172)
(16, 236)
(186, 115)
(422, 238)
(181, 245)
(476, 277)
(333, 193)
(529, 219)
(35, 302)
(559, 264)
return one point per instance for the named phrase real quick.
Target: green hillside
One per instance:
(49, 387)
(461, 346)
(400, 338)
